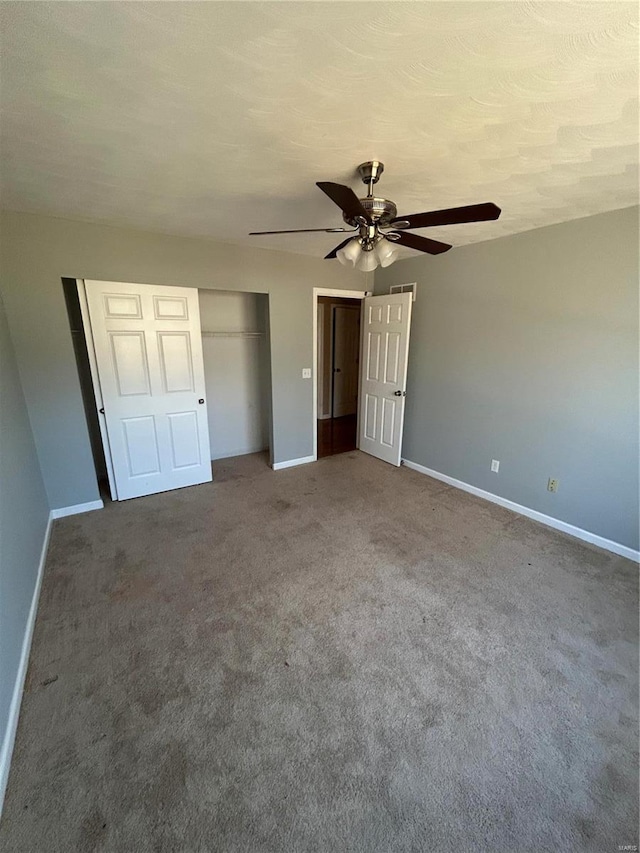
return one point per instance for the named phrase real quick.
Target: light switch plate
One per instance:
(306, 373)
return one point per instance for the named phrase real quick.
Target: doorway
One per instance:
(382, 382)
(338, 373)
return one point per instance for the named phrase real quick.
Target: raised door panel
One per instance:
(141, 446)
(388, 419)
(170, 308)
(373, 356)
(392, 358)
(130, 363)
(176, 361)
(394, 313)
(370, 416)
(122, 306)
(374, 314)
(185, 439)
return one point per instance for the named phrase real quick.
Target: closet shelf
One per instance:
(221, 334)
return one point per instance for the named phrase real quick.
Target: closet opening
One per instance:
(237, 371)
(338, 356)
(172, 379)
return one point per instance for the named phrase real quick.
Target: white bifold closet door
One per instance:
(148, 350)
(386, 321)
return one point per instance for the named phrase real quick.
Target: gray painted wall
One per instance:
(38, 251)
(24, 513)
(525, 349)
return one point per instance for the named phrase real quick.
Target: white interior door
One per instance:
(148, 349)
(346, 346)
(383, 375)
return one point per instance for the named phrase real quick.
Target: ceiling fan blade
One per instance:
(334, 252)
(302, 231)
(451, 216)
(422, 244)
(345, 198)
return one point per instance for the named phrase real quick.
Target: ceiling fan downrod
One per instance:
(370, 173)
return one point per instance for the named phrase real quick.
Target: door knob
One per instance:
(201, 400)
(399, 393)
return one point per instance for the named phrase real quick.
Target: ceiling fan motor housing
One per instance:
(381, 210)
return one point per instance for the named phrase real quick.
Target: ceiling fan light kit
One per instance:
(379, 229)
(366, 258)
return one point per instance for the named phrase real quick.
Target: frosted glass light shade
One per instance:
(350, 253)
(387, 253)
(383, 248)
(368, 261)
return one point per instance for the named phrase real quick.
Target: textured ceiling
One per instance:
(217, 118)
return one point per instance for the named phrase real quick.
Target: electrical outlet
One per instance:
(495, 465)
(306, 373)
(552, 485)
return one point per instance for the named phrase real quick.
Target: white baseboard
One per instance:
(578, 532)
(6, 749)
(291, 463)
(63, 511)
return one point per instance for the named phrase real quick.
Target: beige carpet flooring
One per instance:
(339, 657)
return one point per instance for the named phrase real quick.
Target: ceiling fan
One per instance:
(379, 229)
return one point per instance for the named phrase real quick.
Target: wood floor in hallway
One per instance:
(337, 435)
